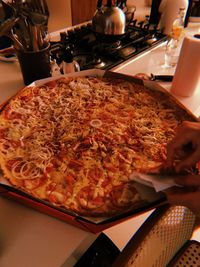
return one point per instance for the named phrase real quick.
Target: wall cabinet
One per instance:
(65, 13)
(82, 10)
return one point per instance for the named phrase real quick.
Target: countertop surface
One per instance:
(31, 239)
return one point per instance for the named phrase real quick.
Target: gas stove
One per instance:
(92, 50)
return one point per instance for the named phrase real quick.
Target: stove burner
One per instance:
(126, 51)
(87, 61)
(98, 63)
(107, 48)
(113, 46)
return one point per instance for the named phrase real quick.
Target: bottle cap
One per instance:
(68, 55)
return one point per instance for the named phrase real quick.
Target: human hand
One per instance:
(188, 135)
(188, 194)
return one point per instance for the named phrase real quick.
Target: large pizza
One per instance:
(74, 142)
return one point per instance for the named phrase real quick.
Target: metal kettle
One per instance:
(109, 19)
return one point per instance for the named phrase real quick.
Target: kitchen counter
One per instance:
(31, 239)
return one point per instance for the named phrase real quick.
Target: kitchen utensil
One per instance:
(21, 28)
(38, 14)
(164, 78)
(8, 9)
(152, 77)
(44, 7)
(6, 29)
(38, 20)
(40, 7)
(109, 20)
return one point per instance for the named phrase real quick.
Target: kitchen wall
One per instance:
(60, 14)
(142, 8)
(140, 3)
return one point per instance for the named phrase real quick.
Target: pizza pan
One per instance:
(151, 198)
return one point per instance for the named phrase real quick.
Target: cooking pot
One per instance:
(109, 20)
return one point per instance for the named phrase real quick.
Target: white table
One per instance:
(31, 239)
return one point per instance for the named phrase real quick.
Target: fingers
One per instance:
(174, 148)
(176, 144)
(185, 146)
(188, 162)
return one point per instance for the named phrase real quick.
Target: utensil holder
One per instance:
(34, 65)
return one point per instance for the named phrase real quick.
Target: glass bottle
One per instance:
(175, 38)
